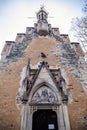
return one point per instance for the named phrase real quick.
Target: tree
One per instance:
(79, 28)
(85, 7)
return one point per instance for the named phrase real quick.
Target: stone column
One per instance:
(23, 119)
(29, 119)
(61, 124)
(26, 121)
(66, 117)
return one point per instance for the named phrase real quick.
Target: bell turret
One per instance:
(42, 15)
(42, 24)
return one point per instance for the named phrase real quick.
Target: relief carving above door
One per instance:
(44, 95)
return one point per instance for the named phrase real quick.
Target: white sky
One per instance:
(14, 15)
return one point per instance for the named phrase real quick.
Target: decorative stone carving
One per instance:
(24, 86)
(64, 91)
(22, 92)
(44, 95)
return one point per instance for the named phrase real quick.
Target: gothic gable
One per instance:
(35, 82)
(44, 75)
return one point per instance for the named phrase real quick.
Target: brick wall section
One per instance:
(65, 38)
(20, 37)
(77, 48)
(7, 48)
(9, 84)
(38, 45)
(78, 106)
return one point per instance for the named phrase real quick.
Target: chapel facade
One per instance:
(43, 79)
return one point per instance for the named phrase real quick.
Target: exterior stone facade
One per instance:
(24, 62)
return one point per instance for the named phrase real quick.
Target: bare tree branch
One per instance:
(79, 28)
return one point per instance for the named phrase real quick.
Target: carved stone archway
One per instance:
(60, 110)
(45, 93)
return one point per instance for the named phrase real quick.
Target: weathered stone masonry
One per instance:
(43, 56)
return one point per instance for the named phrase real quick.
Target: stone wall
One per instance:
(59, 55)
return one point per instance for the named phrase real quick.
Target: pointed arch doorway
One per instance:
(44, 119)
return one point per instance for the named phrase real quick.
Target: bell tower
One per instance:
(42, 23)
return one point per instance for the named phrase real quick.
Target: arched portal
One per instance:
(44, 119)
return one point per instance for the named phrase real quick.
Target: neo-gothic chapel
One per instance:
(43, 80)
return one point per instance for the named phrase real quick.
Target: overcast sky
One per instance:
(14, 15)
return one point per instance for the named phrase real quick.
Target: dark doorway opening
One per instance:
(44, 120)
